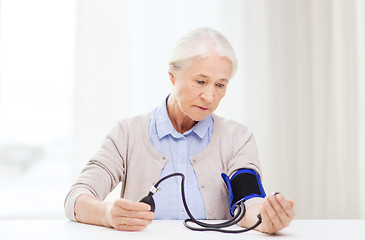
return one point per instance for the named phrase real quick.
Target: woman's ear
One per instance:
(172, 78)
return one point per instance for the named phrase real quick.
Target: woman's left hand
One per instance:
(276, 213)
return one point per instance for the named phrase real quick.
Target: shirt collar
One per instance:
(164, 126)
(203, 127)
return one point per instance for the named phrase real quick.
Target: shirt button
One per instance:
(182, 212)
(203, 186)
(182, 138)
(182, 160)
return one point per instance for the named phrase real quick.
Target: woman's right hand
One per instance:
(126, 215)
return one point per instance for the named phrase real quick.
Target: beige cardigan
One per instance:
(128, 156)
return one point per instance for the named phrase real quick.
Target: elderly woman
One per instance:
(181, 135)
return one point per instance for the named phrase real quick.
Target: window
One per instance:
(36, 95)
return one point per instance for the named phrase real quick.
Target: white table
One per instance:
(163, 229)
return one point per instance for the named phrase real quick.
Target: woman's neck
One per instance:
(180, 121)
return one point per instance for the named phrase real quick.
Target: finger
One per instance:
(272, 207)
(292, 203)
(129, 228)
(132, 206)
(286, 206)
(280, 211)
(130, 224)
(117, 212)
(136, 214)
(267, 225)
(134, 221)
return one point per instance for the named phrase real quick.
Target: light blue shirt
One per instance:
(178, 148)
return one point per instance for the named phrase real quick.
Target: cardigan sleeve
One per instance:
(244, 152)
(102, 173)
(244, 155)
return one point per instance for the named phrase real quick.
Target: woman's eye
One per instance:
(200, 82)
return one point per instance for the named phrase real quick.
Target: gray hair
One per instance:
(199, 43)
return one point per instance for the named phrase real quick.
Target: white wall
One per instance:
(298, 87)
(101, 76)
(360, 6)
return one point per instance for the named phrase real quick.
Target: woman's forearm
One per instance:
(122, 214)
(250, 217)
(91, 210)
(276, 212)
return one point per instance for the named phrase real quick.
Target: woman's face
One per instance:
(199, 88)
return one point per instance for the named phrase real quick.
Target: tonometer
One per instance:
(243, 185)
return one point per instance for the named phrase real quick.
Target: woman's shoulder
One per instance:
(228, 126)
(135, 121)
(131, 127)
(230, 131)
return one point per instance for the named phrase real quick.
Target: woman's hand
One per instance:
(127, 215)
(276, 213)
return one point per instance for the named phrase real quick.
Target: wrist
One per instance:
(105, 209)
(250, 217)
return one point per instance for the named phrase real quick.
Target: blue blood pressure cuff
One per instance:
(244, 184)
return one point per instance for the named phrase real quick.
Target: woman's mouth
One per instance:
(202, 108)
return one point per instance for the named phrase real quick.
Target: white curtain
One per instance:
(304, 103)
(299, 87)
(360, 31)
(101, 74)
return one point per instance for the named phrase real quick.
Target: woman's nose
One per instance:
(208, 94)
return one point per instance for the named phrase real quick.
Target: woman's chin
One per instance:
(199, 117)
